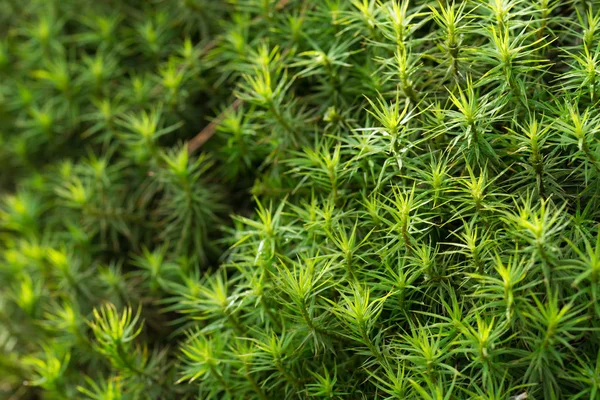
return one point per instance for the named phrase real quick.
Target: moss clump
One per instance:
(260, 199)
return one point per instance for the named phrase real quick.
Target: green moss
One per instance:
(250, 199)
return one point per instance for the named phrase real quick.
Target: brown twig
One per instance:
(198, 141)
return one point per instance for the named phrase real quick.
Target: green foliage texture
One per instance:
(393, 199)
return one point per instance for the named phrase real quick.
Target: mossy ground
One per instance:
(394, 199)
